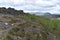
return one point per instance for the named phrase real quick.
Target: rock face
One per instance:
(11, 11)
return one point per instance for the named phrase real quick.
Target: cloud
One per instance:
(52, 6)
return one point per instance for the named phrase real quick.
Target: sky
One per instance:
(52, 6)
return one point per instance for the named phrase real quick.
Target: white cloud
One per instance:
(17, 1)
(52, 6)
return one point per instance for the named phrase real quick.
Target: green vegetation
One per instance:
(47, 24)
(6, 37)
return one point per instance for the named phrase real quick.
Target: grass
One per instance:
(6, 37)
(47, 24)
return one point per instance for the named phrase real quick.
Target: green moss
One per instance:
(6, 37)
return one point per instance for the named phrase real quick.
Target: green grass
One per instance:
(47, 24)
(6, 37)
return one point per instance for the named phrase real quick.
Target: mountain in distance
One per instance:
(38, 13)
(46, 14)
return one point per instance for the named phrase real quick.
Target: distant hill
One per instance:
(47, 14)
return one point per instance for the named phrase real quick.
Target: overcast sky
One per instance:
(52, 6)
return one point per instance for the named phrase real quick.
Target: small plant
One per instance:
(13, 21)
(6, 37)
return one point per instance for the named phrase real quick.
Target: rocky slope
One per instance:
(24, 26)
(21, 28)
